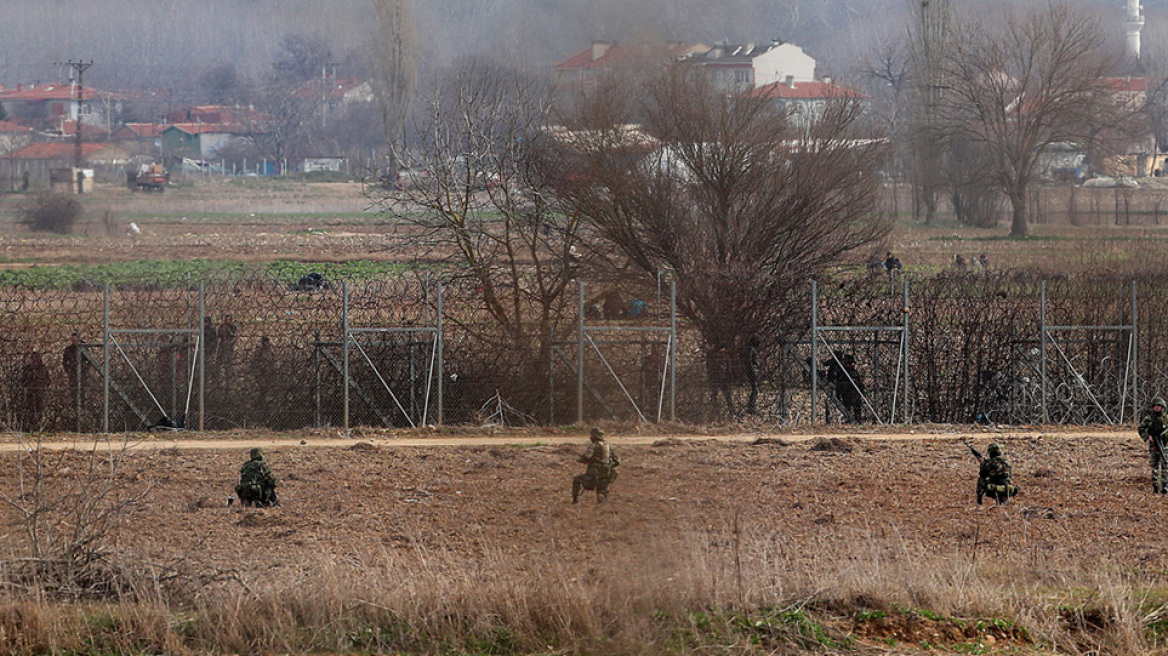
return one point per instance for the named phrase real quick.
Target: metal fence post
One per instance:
(907, 345)
(441, 361)
(1135, 356)
(673, 349)
(1042, 353)
(202, 354)
(105, 359)
(814, 349)
(345, 351)
(580, 356)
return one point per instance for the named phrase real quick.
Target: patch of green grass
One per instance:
(869, 615)
(178, 274)
(787, 625)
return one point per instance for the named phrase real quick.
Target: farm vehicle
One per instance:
(148, 178)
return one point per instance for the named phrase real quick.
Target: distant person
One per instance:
(720, 372)
(263, 361)
(613, 306)
(959, 263)
(228, 332)
(602, 462)
(974, 263)
(892, 262)
(210, 338)
(34, 388)
(71, 363)
(257, 483)
(842, 377)
(750, 359)
(636, 308)
(1153, 428)
(984, 261)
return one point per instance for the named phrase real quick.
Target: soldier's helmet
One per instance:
(596, 434)
(993, 450)
(257, 454)
(1159, 401)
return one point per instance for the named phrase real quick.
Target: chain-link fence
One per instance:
(1000, 347)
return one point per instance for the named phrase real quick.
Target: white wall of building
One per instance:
(782, 61)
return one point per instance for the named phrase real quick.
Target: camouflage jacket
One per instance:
(1153, 426)
(994, 471)
(600, 454)
(257, 472)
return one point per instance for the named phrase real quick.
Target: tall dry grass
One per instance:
(679, 597)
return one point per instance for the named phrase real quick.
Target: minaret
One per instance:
(1132, 24)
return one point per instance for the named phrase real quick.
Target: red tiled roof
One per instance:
(70, 128)
(1126, 84)
(55, 150)
(806, 91)
(616, 55)
(47, 92)
(214, 114)
(208, 128)
(12, 126)
(141, 130)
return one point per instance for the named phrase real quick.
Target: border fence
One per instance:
(992, 347)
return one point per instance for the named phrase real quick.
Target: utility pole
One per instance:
(79, 67)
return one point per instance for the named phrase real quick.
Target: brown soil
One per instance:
(342, 495)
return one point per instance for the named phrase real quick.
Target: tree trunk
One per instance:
(1019, 227)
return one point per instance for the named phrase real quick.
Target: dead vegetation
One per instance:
(704, 546)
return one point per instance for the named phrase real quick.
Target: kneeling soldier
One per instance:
(993, 477)
(257, 483)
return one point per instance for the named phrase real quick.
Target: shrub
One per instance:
(52, 212)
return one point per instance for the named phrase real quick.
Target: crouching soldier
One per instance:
(602, 462)
(257, 483)
(993, 477)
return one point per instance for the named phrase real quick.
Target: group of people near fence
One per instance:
(32, 383)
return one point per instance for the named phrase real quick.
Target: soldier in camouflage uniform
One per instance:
(993, 477)
(1152, 429)
(602, 462)
(257, 483)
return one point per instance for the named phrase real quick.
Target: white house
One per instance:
(751, 65)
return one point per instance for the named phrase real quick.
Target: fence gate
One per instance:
(395, 370)
(637, 361)
(858, 371)
(158, 393)
(1087, 373)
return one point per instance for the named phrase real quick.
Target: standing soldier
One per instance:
(257, 483)
(602, 462)
(1152, 429)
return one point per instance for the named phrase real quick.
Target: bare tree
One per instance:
(303, 57)
(927, 35)
(476, 192)
(63, 514)
(397, 64)
(1018, 85)
(743, 205)
(280, 126)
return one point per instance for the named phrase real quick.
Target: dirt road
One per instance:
(238, 440)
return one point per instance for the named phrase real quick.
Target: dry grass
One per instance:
(727, 588)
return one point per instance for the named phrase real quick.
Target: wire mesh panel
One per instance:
(275, 357)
